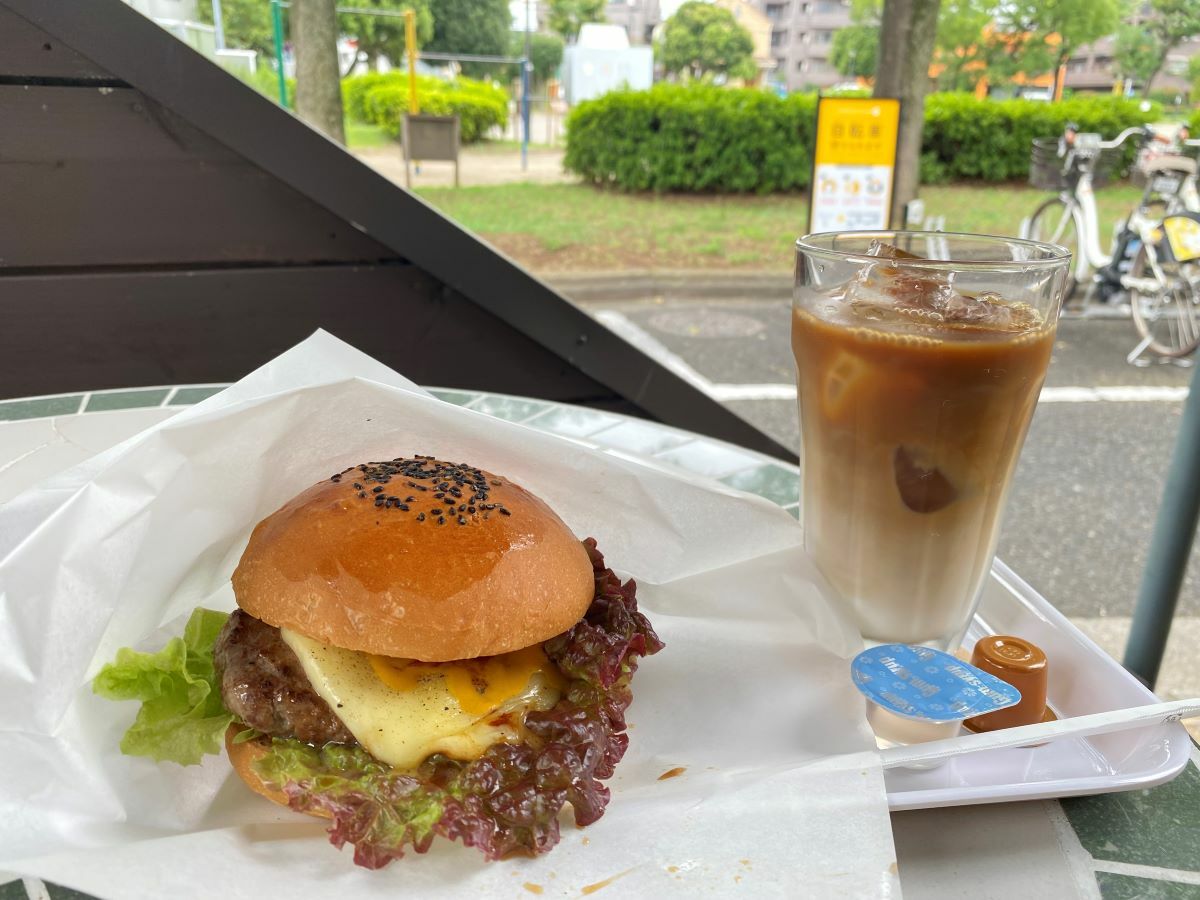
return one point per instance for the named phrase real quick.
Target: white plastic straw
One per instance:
(1078, 726)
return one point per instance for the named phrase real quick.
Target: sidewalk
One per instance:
(477, 166)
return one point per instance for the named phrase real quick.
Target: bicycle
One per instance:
(1153, 258)
(1163, 278)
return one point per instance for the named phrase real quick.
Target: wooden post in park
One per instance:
(906, 37)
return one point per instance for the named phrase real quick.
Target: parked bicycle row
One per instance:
(1154, 256)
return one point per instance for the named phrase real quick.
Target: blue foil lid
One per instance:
(923, 683)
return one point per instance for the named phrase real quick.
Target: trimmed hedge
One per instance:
(707, 139)
(990, 139)
(382, 98)
(693, 138)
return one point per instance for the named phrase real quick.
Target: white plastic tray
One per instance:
(1082, 679)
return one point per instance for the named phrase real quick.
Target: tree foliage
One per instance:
(960, 42)
(479, 28)
(384, 35)
(247, 24)
(1171, 23)
(1057, 28)
(568, 16)
(1136, 54)
(703, 41)
(855, 50)
(963, 46)
(545, 52)
(476, 27)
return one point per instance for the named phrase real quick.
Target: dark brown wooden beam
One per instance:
(95, 330)
(109, 177)
(30, 52)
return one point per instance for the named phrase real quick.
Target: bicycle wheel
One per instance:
(1054, 222)
(1170, 317)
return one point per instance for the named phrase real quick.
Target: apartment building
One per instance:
(801, 39)
(1091, 69)
(801, 34)
(637, 17)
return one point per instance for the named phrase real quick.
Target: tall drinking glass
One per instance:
(919, 360)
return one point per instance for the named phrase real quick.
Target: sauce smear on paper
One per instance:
(600, 885)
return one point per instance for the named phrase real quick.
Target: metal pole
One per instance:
(410, 48)
(218, 25)
(526, 65)
(1170, 547)
(277, 25)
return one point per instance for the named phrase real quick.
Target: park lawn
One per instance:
(576, 228)
(361, 135)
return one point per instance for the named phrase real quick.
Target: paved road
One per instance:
(1089, 482)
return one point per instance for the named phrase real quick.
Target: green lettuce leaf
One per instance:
(376, 808)
(182, 716)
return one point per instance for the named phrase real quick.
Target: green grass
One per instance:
(572, 227)
(361, 136)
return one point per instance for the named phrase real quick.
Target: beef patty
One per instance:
(263, 683)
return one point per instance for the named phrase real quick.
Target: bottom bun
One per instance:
(243, 755)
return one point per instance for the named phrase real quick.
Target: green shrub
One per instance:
(693, 138)
(700, 138)
(354, 93)
(1194, 123)
(265, 80)
(380, 99)
(933, 170)
(990, 139)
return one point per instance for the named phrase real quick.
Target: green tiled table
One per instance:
(1138, 844)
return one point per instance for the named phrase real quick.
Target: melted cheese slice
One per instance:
(402, 710)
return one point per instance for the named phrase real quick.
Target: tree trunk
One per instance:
(906, 37)
(1055, 85)
(1161, 62)
(318, 87)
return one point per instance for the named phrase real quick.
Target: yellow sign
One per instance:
(854, 161)
(857, 131)
(1184, 234)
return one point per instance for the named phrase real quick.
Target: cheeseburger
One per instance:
(423, 648)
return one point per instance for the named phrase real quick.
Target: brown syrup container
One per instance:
(1021, 664)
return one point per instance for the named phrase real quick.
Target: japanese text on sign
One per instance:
(854, 163)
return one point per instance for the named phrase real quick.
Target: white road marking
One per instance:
(1153, 873)
(1134, 393)
(655, 349)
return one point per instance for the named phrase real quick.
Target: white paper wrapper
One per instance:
(781, 793)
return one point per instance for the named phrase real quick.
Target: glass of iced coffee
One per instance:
(919, 360)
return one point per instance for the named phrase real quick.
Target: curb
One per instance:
(728, 285)
(667, 284)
